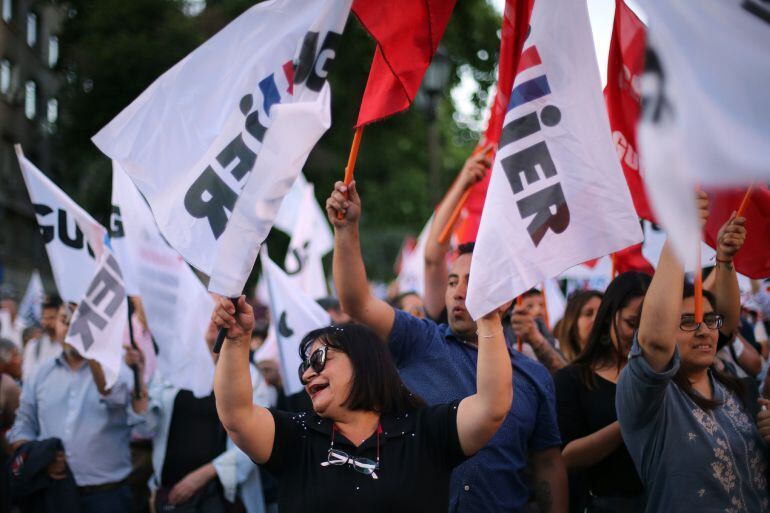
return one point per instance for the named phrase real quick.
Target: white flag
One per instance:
(706, 114)
(412, 275)
(311, 239)
(95, 283)
(31, 306)
(176, 303)
(555, 302)
(216, 142)
(294, 314)
(67, 229)
(557, 195)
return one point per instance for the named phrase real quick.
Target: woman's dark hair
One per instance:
(732, 383)
(599, 350)
(566, 330)
(376, 384)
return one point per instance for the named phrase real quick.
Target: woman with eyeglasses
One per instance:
(685, 423)
(602, 474)
(370, 445)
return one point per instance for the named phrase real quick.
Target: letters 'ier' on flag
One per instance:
(622, 93)
(85, 271)
(408, 33)
(557, 196)
(294, 314)
(706, 107)
(216, 142)
(177, 306)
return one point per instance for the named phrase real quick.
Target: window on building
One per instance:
(5, 76)
(30, 99)
(7, 10)
(52, 112)
(31, 29)
(53, 51)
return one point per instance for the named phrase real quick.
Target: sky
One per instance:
(601, 13)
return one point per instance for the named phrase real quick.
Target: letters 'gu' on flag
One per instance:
(216, 142)
(294, 314)
(94, 282)
(557, 196)
(408, 33)
(706, 115)
(177, 305)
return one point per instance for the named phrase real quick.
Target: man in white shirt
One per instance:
(48, 345)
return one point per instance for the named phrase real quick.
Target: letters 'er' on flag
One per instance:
(557, 196)
(623, 96)
(408, 33)
(77, 246)
(216, 142)
(294, 314)
(706, 114)
(177, 305)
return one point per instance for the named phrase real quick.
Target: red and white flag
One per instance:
(557, 196)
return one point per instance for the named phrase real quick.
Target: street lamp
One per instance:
(433, 84)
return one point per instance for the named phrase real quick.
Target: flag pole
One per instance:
(614, 268)
(223, 331)
(698, 286)
(350, 168)
(745, 201)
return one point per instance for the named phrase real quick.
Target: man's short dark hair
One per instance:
(531, 292)
(466, 248)
(52, 301)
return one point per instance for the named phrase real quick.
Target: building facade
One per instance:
(29, 109)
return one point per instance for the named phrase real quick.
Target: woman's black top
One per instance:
(581, 412)
(195, 437)
(418, 451)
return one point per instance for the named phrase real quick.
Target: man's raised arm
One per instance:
(348, 266)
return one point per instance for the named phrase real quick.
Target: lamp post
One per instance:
(433, 84)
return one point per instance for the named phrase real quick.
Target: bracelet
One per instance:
(489, 336)
(727, 263)
(724, 261)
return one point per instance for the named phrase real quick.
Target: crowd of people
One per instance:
(629, 403)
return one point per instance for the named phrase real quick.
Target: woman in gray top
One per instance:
(693, 441)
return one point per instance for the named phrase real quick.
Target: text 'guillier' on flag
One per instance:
(557, 196)
(214, 157)
(85, 271)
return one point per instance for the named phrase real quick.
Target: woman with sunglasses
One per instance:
(689, 432)
(369, 445)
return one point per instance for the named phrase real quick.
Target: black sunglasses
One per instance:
(316, 360)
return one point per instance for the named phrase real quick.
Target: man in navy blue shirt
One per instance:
(438, 362)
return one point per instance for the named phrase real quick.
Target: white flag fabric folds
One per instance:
(31, 306)
(85, 270)
(557, 195)
(177, 305)
(216, 142)
(706, 100)
(294, 314)
(412, 275)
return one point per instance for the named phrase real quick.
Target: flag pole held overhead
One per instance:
(745, 201)
(698, 286)
(223, 331)
(350, 168)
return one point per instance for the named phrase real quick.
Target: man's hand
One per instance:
(191, 483)
(523, 323)
(474, 169)
(349, 207)
(702, 201)
(57, 469)
(134, 357)
(239, 323)
(731, 237)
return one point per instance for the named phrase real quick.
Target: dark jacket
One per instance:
(31, 488)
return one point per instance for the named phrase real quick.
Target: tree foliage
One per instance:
(114, 49)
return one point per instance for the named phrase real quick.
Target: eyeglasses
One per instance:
(713, 321)
(316, 360)
(336, 457)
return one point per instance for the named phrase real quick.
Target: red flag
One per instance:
(753, 260)
(513, 34)
(407, 33)
(622, 94)
(631, 259)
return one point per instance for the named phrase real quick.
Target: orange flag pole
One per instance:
(519, 344)
(350, 168)
(745, 201)
(614, 271)
(698, 285)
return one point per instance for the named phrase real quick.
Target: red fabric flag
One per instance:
(513, 34)
(632, 259)
(622, 94)
(753, 260)
(408, 33)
